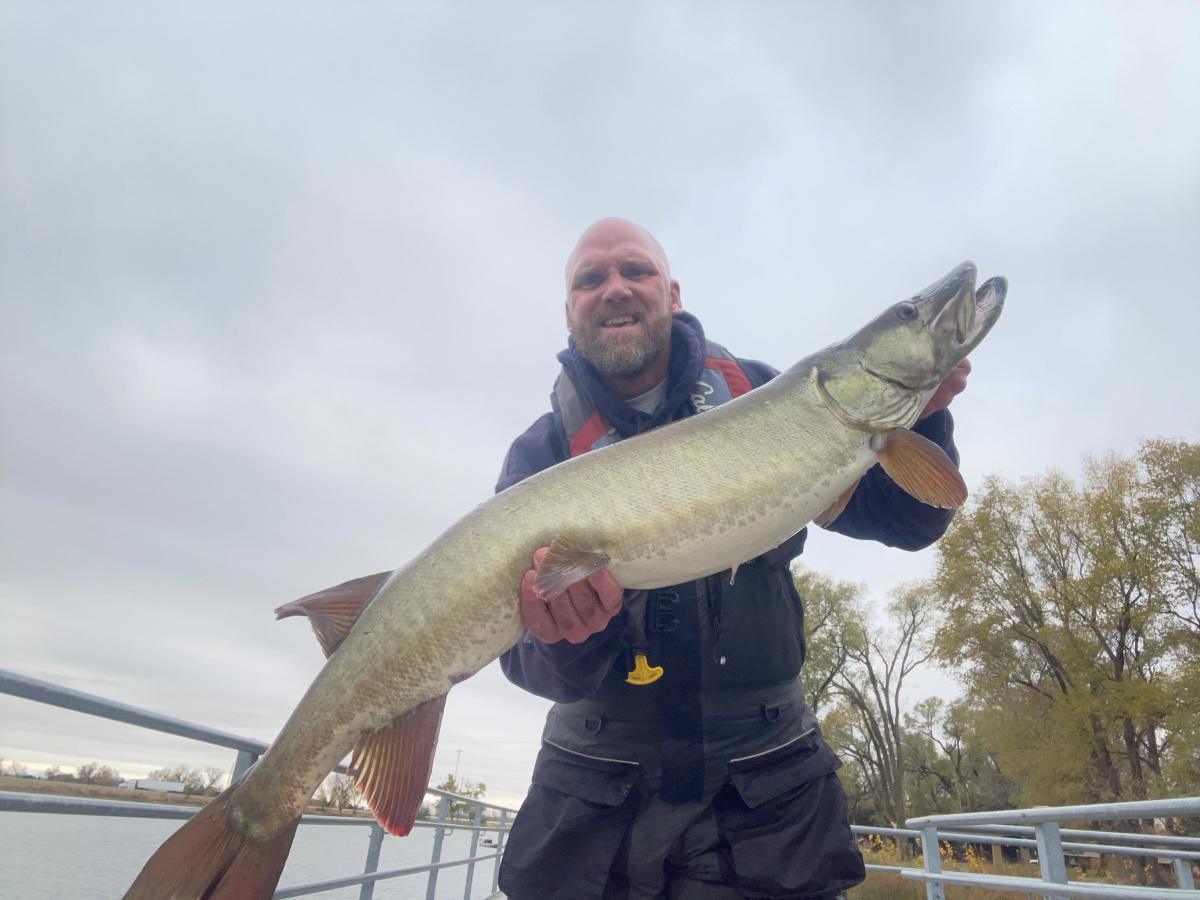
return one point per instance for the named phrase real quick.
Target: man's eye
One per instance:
(587, 280)
(638, 271)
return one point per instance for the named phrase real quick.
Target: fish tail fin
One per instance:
(211, 857)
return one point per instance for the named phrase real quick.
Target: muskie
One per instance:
(774, 459)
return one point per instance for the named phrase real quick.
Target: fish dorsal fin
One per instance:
(836, 508)
(889, 407)
(566, 564)
(391, 766)
(333, 611)
(921, 467)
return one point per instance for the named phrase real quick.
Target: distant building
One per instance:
(147, 784)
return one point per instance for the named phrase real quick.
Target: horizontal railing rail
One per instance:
(1010, 827)
(1035, 829)
(248, 750)
(1071, 847)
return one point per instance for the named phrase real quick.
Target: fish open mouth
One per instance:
(965, 314)
(976, 316)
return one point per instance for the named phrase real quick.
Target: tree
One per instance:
(460, 809)
(949, 765)
(212, 780)
(1071, 614)
(342, 791)
(871, 686)
(94, 773)
(829, 609)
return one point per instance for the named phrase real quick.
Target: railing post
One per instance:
(474, 850)
(1183, 874)
(367, 889)
(934, 890)
(499, 850)
(1050, 855)
(245, 759)
(443, 809)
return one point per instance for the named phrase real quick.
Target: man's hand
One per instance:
(955, 384)
(576, 614)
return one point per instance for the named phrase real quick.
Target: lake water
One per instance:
(60, 857)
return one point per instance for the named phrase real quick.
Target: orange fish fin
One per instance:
(210, 856)
(391, 766)
(333, 611)
(922, 468)
(836, 508)
(566, 564)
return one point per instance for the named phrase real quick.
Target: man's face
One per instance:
(620, 299)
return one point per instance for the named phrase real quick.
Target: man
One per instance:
(680, 759)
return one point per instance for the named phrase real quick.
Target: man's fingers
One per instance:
(588, 607)
(582, 610)
(535, 614)
(566, 619)
(607, 589)
(953, 385)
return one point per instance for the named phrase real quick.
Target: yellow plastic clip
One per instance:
(643, 672)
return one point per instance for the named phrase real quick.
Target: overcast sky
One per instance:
(280, 283)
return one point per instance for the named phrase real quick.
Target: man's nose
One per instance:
(615, 288)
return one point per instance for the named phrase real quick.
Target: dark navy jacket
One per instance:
(711, 634)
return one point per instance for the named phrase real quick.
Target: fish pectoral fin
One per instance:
(836, 508)
(391, 766)
(333, 611)
(922, 468)
(566, 564)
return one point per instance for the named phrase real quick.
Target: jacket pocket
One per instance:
(570, 826)
(785, 819)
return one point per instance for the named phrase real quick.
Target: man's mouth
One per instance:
(617, 323)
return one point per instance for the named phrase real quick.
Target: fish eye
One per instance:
(906, 311)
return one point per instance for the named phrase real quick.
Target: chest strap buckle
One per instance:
(643, 672)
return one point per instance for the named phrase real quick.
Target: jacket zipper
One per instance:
(798, 737)
(628, 762)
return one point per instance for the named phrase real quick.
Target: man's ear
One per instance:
(567, 314)
(676, 297)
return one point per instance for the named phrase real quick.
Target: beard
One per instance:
(624, 355)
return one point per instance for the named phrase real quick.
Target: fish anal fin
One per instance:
(566, 564)
(921, 468)
(837, 507)
(392, 765)
(333, 611)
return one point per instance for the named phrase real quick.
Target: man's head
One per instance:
(620, 300)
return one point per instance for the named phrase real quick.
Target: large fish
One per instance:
(774, 459)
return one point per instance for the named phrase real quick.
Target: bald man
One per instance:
(710, 780)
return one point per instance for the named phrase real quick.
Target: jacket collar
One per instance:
(688, 351)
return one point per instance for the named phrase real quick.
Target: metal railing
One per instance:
(248, 750)
(1031, 829)
(1039, 831)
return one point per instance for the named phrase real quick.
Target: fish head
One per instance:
(914, 344)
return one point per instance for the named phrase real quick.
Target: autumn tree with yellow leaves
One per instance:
(1072, 614)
